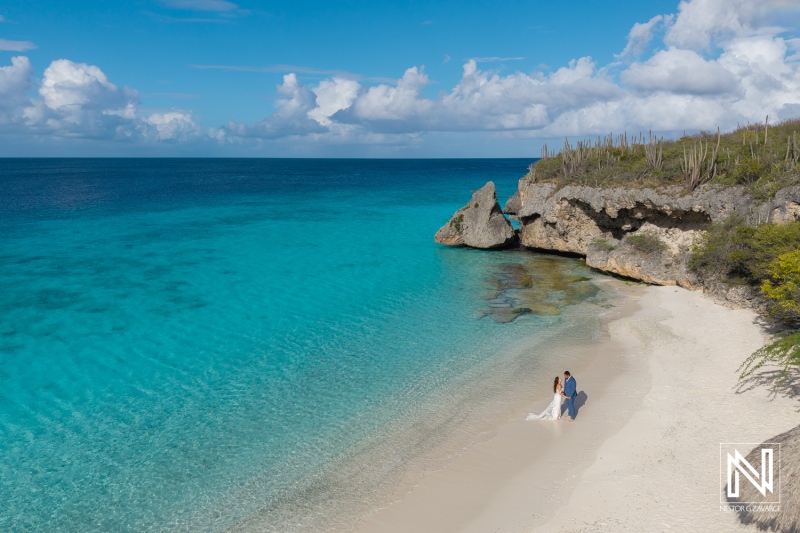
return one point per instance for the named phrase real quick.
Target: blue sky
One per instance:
(382, 79)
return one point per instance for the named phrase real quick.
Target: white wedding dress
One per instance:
(553, 411)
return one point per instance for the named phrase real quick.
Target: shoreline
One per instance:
(443, 426)
(656, 383)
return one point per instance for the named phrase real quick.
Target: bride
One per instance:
(553, 411)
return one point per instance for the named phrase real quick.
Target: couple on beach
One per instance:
(562, 388)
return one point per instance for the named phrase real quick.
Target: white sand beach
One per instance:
(643, 454)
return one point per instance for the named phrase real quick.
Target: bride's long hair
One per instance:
(555, 384)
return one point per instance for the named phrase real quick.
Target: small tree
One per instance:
(783, 286)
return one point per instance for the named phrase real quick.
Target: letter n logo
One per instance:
(738, 470)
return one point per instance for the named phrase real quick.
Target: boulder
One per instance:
(479, 224)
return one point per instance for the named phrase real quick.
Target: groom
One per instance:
(570, 392)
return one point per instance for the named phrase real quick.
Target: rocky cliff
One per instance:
(646, 234)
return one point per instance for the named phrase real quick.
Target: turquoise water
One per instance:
(205, 344)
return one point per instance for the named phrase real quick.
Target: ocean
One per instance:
(255, 344)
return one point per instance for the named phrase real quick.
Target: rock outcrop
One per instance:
(786, 205)
(479, 224)
(646, 234)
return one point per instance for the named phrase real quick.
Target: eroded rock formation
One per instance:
(479, 224)
(645, 234)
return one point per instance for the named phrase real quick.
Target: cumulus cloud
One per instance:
(681, 72)
(681, 85)
(290, 117)
(391, 103)
(712, 63)
(333, 96)
(15, 46)
(700, 23)
(78, 100)
(15, 80)
(173, 126)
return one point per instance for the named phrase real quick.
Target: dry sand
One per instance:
(643, 454)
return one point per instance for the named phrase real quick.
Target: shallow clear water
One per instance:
(196, 344)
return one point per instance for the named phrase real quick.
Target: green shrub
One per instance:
(769, 242)
(734, 251)
(646, 242)
(748, 171)
(783, 286)
(723, 250)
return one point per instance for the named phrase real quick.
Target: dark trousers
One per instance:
(571, 407)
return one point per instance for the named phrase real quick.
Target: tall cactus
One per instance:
(654, 152)
(696, 169)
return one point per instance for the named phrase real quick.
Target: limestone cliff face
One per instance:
(652, 254)
(645, 234)
(479, 224)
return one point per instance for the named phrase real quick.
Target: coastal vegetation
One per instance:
(762, 157)
(735, 252)
(767, 257)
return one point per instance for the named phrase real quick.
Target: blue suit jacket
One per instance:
(570, 388)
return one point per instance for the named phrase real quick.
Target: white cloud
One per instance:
(400, 102)
(681, 72)
(333, 96)
(202, 5)
(173, 126)
(78, 100)
(290, 118)
(715, 63)
(15, 80)
(68, 87)
(701, 23)
(642, 33)
(677, 87)
(480, 101)
(16, 46)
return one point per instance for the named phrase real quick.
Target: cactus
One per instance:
(694, 162)
(654, 152)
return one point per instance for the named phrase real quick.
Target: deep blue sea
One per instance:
(265, 345)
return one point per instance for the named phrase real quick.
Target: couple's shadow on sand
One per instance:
(580, 401)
